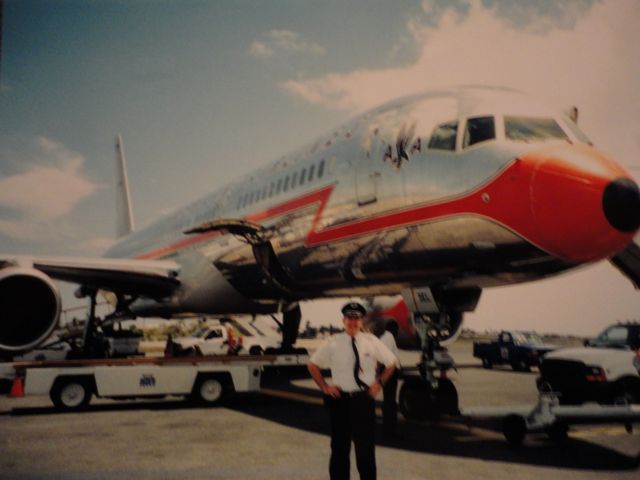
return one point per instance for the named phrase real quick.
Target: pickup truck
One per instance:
(606, 370)
(213, 339)
(521, 350)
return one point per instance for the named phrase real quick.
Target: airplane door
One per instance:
(366, 181)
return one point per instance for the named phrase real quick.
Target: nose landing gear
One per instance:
(429, 393)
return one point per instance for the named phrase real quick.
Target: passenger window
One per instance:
(294, 179)
(264, 193)
(271, 188)
(321, 169)
(311, 171)
(286, 184)
(479, 129)
(302, 176)
(279, 186)
(245, 200)
(444, 136)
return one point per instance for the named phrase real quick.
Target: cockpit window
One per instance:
(479, 129)
(444, 136)
(532, 129)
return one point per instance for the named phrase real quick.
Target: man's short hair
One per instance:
(353, 309)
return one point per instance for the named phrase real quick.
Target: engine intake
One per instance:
(29, 308)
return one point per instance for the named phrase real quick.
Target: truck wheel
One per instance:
(514, 429)
(486, 363)
(70, 394)
(256, 350)
(521, 366)
(209, 390)
(627, 391)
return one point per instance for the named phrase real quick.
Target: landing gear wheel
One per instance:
(415, 400)
(209, 391)
(514, 429)
(447, 397)
(419, 401)
(70, 394)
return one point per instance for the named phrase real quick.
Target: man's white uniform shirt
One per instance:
(337, 354)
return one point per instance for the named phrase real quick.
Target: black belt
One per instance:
(357, 393)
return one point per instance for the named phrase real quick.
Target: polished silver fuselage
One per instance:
(382, 213)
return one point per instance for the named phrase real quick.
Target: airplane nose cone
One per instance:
(621, 204)
(584, 206)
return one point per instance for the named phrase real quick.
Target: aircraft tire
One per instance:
(416, 400)
(446, 397)
(71, 393)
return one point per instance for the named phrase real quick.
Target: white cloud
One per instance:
(49, 189)
(283, 41)
(586, 59)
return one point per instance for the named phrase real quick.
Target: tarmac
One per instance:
(282, 432)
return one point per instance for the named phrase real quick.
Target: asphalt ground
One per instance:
(282, 432)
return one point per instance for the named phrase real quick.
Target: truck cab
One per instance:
(521, 350)
(606, 370)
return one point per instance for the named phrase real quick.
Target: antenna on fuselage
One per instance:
(124, 212)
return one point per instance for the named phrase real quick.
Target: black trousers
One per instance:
(390, 406)
(352, 418)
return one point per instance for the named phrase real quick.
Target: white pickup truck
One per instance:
(606, 370)
(213, 339)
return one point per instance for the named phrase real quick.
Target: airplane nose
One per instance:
(621, 204)
(584, 205)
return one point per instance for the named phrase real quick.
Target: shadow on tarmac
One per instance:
(451, 436)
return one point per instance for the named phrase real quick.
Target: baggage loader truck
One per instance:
(72, 383)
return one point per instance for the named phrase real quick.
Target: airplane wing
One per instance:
(151, 278)
(628, 262)
(32, 301)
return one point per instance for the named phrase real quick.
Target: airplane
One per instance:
(434, 196)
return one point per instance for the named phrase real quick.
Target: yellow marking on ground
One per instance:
(610, 430)
(292, 396)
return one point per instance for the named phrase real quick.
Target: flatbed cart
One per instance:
(554, 419)
(71, 383)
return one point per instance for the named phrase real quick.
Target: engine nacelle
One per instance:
(29, 308)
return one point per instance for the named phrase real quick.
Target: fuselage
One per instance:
(462, 187)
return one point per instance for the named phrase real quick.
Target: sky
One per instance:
(203, 92)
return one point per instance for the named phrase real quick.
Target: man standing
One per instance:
(352, 357)
(390, 389)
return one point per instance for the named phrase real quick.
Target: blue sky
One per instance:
(203, 92)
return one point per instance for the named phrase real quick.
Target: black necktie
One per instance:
(356, 367)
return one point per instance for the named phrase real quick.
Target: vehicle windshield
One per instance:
(532, 129)
(613, 336)
(240, 328)
(527, 338)
(200, 332)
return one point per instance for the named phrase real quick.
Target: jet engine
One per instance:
(29, 308)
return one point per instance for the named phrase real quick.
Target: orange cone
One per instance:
(17, 389)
